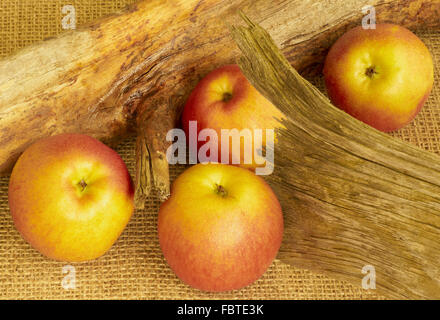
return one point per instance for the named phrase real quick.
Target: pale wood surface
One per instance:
(352, 196)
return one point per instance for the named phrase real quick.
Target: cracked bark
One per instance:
(151, 146)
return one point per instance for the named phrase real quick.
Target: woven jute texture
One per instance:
(134, 268)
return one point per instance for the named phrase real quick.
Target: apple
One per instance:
(221, 228)
(225, 99)
(70, 197)
(380, 76)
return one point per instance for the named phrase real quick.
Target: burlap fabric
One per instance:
(135, 268)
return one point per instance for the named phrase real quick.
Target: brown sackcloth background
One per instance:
(134, 268)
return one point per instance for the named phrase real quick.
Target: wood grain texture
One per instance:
(100, 79)
(352, 196)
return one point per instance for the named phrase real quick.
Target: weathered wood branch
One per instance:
(352, 196)
(99, 79)
(151, 146)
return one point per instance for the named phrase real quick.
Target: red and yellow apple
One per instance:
(380, 76)
(225, 99)
(221, 228)
(70, 197)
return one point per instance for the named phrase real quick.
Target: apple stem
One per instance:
(227, 96)
(82, 184)
(370, 72)
(221, 190)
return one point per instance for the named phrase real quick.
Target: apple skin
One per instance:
(220, 239)
(245, 108)
(50, 209)
(402, 82)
